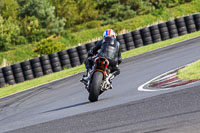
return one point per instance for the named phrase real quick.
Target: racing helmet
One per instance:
(109, 33)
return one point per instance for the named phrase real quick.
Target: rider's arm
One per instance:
(94, 50)
(97, 47)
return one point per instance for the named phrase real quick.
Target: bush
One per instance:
(19, 40)
(32, 30)
(48, 46)
(4, 43)
(93, 24)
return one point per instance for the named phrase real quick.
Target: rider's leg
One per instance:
(88, 66)
(114, 72)
(114, 69)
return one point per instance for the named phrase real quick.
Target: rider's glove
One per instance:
(119, 61)
(90, 53)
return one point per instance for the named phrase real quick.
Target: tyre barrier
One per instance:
(171, 25)
(181, 27)
(137, 38)
(36, 67)
(197, 20)
(27, 70)
(55, 62)
(89, 46)
(46, 64)
(8, 75)
(82, 53)
(18, 73)
(120, 39)
(2, 80)
(155, 33)
(64, 59)
(74, 58)
(129, 41)
(146, 36)
(164, 33)
(190, 24)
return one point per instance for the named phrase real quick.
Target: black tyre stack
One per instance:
(36, 67)
(27, 70)
(82, 53)
(197, 20)
(171, 25)
(18, 73)
(46, 64)
(8, 75)
(64, 59)
(74, 58)
(137, 38)
(146, 36)
(2, 80)
(190, 24)
(181, 27)
(89, 46)
(155, 33)
(129, 41)
(164, 33)
(120, 39)
(55, 62)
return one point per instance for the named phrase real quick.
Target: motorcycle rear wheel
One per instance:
(96, 86)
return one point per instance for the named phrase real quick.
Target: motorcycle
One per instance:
(98, 78)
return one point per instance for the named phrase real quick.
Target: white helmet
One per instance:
(110, 33)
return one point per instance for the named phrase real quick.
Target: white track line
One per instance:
(141, 88)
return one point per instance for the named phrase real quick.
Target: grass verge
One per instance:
(35, 82)
(84, 34)
(190, 72)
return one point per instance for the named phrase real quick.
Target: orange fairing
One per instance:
(101, 64)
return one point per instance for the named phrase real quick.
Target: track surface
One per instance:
(62, 106)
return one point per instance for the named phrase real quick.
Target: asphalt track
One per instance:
(63, 107)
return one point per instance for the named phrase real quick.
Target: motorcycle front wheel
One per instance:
(95, 86)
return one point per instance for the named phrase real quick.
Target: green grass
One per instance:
(154, 46)
(28, 84)
(82, 34)
(17, 54)
(190, 72)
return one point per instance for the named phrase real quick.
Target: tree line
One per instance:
(29, 21)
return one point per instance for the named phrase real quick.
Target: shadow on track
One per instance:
(67, 107)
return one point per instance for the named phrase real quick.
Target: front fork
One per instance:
(105, 85)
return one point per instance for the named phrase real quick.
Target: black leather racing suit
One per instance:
(110, 49)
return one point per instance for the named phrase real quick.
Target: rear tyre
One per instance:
(96, 84)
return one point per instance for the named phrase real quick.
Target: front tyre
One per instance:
(96, 86)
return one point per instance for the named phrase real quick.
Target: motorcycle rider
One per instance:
(109, 48)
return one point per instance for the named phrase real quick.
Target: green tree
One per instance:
(3, 40)
(31, 29)
(75, 11)
(87, 10)
(114, 10)
(9, 8)
(140, 6)
(48, 46)
(10, 34)
(67, 9)
(44, 12)
(157, 4)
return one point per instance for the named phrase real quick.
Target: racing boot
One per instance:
(85, 77)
